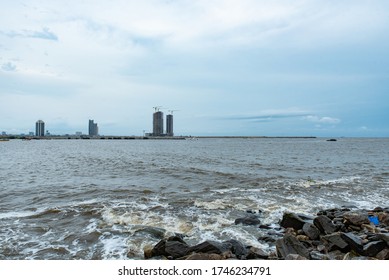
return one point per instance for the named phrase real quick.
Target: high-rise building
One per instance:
(40, 128)
(169, 125)
(93, 128)
(158, 123)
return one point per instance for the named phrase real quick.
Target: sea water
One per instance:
(111, 199)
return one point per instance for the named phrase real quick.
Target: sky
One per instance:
(248, 67)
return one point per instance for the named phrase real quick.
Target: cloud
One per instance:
(271, 115)
(9, 67)
(45, 34)
(322, 120)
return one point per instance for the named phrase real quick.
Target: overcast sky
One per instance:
(247, 67)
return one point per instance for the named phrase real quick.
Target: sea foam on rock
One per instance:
(333, 234)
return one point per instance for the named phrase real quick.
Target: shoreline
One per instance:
(333, 234)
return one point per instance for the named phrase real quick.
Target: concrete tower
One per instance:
(158, 123)
(40, 128)
(169, 125)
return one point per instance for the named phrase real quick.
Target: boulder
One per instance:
(311, 231)
(289, 244)
(176, 249)
(383, 255)
(210, 247)
(334, 241)
(324, 224)
(371, 249)
(249, 220)
(292, 220)
(203, 256)
(237, 248)
(356, 219)
(257, 253)
(353, 241)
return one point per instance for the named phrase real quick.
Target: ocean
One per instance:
(111, 199)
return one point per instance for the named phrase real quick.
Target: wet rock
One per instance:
(383, 255)
(294, 257)
(383, 237)
(356, 219)
(335, 242)
(353, 241)
(257, 253)
(210, 247)
(176, 249)
(291, 220)
(373, 248)
(324, 224)
(204, 256)
(311, 231)
(237, 248)
(383, 218)
(249, 220)
(289, 244)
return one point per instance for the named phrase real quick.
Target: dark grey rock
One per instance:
(383, 255)
(311, 231)
(237, 248)
(249, 220)
(176, 249)
(354, 241)
(210, 247)
(294, 257)
(289, 244)
(334, 241)
(324, 224)
(292, 220)
(356, 219)
(257, 253)
(373, 248)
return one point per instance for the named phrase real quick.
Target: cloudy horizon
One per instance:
(260, 68)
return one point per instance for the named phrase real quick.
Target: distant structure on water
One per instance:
(40, 128)
(93, 128)
(158, 123)
(169, 125)
(158, 129)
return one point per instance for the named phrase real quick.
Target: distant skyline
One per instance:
(250, 67)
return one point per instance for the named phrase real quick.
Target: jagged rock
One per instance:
(383, 218)
(204, 256)
(373, 248)
(257, 253)
(335, 242)
(237, 248)
(176, 249)
(356, 219)
(383, 255)
(324, 224)
(294, 257)
(291, 220)
(315, 255)
(249, 220)
(384, 237)
(311, 231)
(354, 241)
(290, 245)
(210, 247)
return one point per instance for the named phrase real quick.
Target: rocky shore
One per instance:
(344, 233)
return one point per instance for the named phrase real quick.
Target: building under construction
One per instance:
(158, 120)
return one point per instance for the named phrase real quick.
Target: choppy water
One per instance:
(109, 199)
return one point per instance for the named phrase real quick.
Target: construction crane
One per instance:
(156, 108)
(171, 111)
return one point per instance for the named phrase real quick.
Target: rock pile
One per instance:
(334, 234)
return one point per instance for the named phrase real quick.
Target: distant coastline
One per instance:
(86, 137)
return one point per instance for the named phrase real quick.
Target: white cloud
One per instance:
(322, 120)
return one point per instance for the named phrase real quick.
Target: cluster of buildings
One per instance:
(158, 121)
(93, 129)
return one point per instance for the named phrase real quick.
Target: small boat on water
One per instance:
(332, 140)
